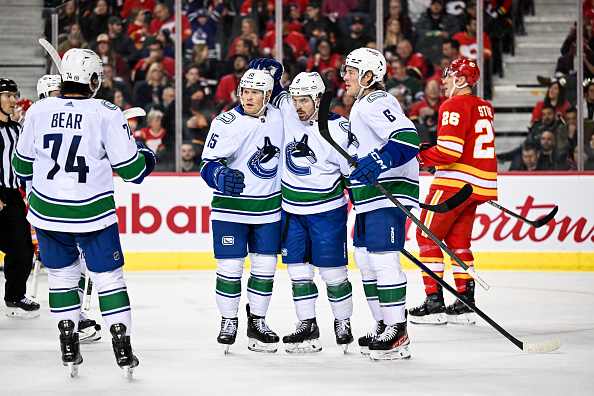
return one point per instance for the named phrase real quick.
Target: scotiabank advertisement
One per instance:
(170, 213)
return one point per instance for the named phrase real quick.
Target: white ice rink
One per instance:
(176, 321)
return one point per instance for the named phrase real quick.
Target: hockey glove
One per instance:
(149, 157)
(229, 181)
(371, 166)
(275, 68)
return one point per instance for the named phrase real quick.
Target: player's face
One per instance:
(448, 82)
(253, 100)
(8, 101)
(304, 105)
(351, 79)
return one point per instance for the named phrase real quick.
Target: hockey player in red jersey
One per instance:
(465, 153)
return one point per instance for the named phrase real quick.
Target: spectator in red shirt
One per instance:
(164, 20)
(326, 62)
(425, 114)
(108, 56)
(337, 9)
(295, 40)
(155, 56)
(555, 97)
(152, 135)
(138, 28)
(467, 40)
(130, 5)
(249, 31)
(227, 88)
(414, 61)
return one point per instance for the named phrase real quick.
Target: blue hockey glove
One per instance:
(275, 68)
(149, 157)
(371, 166)
(229, 181)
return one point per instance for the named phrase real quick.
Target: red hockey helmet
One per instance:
(24, 104)
(464, 67)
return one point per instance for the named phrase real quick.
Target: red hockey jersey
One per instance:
(465, 151)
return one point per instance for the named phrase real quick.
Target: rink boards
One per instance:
(164, 223)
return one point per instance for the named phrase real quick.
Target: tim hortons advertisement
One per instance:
(171, 214)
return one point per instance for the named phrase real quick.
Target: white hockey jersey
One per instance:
(70, 148)
(253, 146)
(312, 170)
(375, 119)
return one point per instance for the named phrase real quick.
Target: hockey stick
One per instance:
(134, 112)
(541, 347)
(52, 53)
(36, 270)
(534, 223)
(323, 127)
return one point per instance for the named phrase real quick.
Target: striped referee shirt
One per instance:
(9, 134)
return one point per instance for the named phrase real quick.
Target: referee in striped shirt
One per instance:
(15, 230)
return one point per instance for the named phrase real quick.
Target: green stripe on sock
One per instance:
(228, 286)
(397, 294)
(63, 299)
(114, 301)
(304, 289)
(340, 290)
(261, 285)
(370, 289)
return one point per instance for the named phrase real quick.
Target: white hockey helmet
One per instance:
(257, 79)
(307, 84)
(47, 84)
(310, 84)
(366, 59)
(79, 66)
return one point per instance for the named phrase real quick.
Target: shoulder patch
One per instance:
(226, 118)
(109, 105)
(344, 125)
(376, 95)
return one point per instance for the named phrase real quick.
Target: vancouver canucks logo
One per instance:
(265, 155)
(299, 149)
(352, 138)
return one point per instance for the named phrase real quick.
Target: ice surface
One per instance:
(176, 321)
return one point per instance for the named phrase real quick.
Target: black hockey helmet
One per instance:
(8, 85)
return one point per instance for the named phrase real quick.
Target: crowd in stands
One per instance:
(136, 40)
(552, 142)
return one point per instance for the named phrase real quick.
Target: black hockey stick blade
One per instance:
(323, 112)
(451, 203)
(540, 222)
(540, 347)
(534, 223)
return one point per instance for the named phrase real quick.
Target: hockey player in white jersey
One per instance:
(49, 86)
(88, 330)
(385, 143)
(240, 162)
(314, 210)
(70, 147)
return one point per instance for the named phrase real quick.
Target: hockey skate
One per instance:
(88, 329)
(305, 339)
(431, 312)
(70, 347)
(123, 350)
(22, 309)
(372, 335)
(342, 330)
(458, 313)
(392, 344)
(260, 337)
(228, 333)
